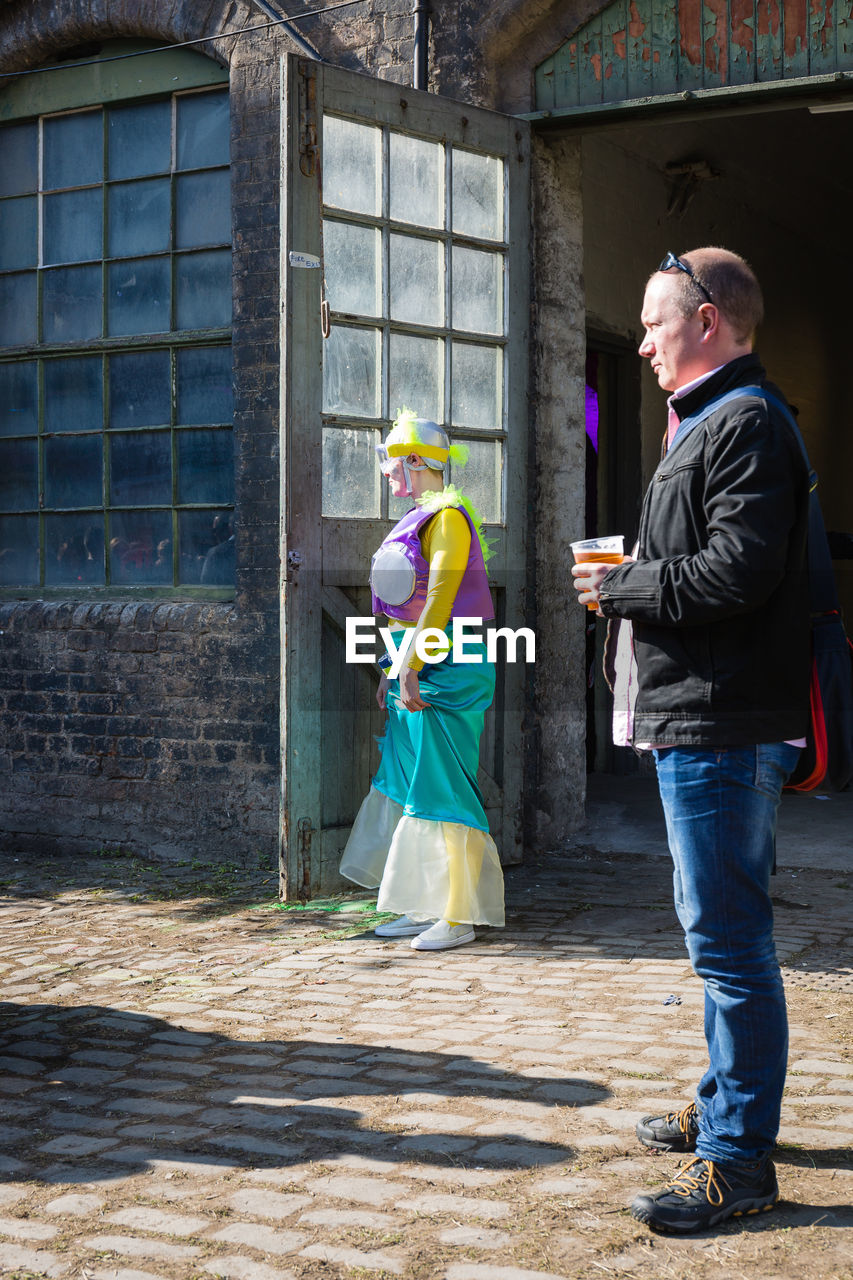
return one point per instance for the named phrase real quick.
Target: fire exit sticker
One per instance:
(303, 259)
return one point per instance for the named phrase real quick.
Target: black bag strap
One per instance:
(823, 593)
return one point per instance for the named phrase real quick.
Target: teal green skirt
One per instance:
(430, 758)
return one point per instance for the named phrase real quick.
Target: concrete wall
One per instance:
(559, 441)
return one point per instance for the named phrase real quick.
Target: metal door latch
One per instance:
(294, 561)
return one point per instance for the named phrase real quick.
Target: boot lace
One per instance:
(683, 1118)
(707, 1178)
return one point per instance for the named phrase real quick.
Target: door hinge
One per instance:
(304, 832)
(308, 148)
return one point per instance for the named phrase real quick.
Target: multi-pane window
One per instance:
(116, 454)
(415, 248)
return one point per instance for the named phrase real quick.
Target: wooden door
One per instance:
(405, 267)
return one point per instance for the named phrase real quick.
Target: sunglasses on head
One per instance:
(671, 261)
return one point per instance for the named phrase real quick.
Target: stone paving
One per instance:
(195, 1085)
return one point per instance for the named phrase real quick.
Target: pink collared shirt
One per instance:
(673, 422)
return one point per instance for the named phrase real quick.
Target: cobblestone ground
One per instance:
(195, 1082)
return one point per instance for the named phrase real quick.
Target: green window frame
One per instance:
(116, 403)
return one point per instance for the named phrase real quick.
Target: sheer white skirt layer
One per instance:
(425, 870)
(366, 852)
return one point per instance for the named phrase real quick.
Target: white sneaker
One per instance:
(443, 935)
(402, 927)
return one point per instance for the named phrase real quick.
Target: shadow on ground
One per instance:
(93, 1094)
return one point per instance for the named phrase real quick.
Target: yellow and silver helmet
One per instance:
(411, 434)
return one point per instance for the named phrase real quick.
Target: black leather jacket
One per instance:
(718, 597)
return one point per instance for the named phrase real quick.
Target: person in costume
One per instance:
(421, 834)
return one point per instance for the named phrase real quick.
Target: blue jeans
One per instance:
(720, 808)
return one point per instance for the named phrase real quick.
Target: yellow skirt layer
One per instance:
(424, 869)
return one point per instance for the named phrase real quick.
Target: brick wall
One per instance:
(375, 37)
(138, 726)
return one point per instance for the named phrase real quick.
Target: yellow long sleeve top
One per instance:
(446, 544)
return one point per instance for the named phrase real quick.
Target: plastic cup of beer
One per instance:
(606, 550)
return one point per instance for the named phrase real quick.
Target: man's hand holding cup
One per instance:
(594, 558)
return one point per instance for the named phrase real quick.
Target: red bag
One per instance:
(828, 754)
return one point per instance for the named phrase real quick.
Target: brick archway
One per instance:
(39, 31)
(490, 58)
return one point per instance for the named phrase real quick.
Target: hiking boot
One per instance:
(676, 1131)
(704, 1193)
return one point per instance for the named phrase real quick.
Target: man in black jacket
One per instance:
(715, 635)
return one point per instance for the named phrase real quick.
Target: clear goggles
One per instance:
(394, 466)
(391, 468)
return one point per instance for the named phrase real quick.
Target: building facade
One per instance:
(189, 405)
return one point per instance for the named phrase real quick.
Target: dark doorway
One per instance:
(759, 182)
(765, 183)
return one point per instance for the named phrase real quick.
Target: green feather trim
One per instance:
(406, 420)
(451, 496)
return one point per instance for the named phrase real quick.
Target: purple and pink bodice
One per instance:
(400, 571)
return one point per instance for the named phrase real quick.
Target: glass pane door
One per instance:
(415, 257)
(405, 272)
